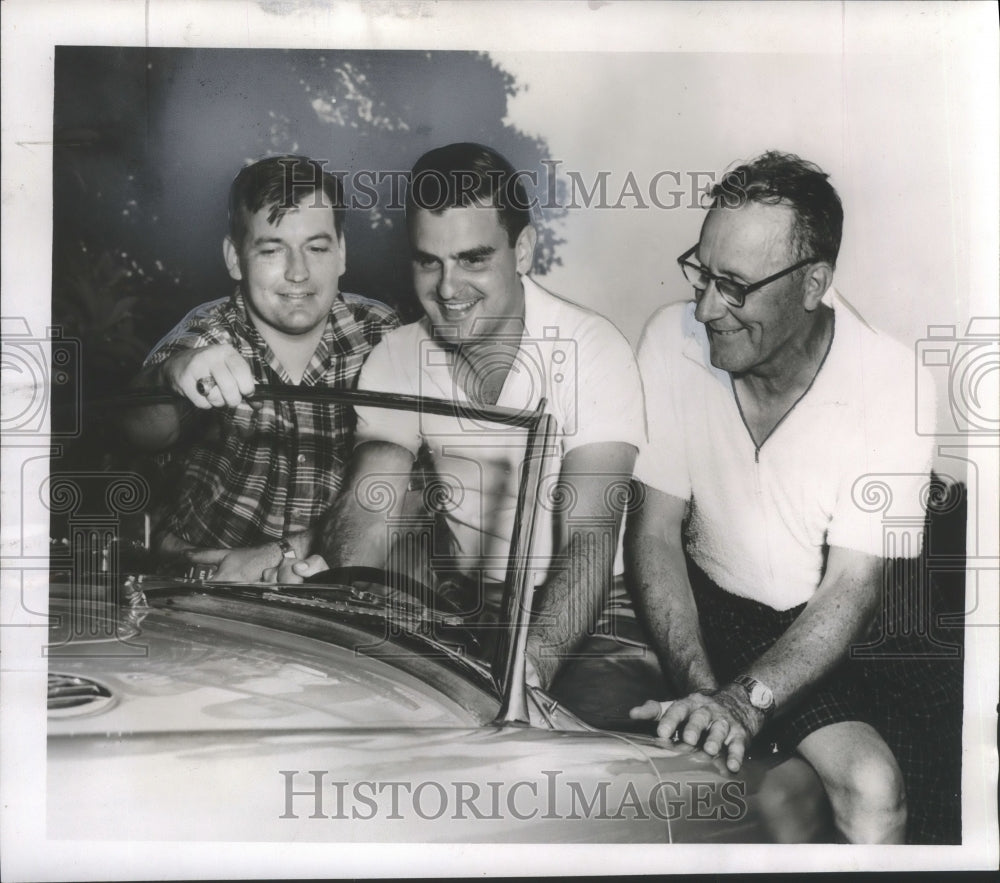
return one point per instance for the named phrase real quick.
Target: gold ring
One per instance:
(205, 385)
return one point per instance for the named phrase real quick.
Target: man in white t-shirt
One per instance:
(493, 336)
(755, 561)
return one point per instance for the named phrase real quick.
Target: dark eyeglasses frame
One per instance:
(743, 289)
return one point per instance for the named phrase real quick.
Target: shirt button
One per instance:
(301, 458)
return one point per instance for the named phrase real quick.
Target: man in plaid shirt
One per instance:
(261, 475)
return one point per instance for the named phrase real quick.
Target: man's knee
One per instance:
(862, 780)
(873, 781)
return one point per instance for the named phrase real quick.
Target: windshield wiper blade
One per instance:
(393, 603)
(410, 615)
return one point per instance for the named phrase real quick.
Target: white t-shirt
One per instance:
(761, 519)
(577, 360)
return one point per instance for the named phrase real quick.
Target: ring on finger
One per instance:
(205, 385)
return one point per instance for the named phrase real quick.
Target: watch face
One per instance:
(761, 696)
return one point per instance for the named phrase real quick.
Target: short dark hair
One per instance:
(281, 182)
(775, 178)
(466, 174)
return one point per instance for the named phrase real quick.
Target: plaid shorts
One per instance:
(915, 686)
(737, 631)
(910, 696)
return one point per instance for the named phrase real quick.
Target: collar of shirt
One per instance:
(342, 335)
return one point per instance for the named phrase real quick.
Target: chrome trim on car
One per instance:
(519, 590)
(71, 695)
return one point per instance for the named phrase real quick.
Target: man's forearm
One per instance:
(839, 614)
(153, 427)
(593, 476)
(354, 532)
(570, 601)
(350, 536)
(662, 592)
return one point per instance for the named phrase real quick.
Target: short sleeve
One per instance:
(375, 318)
(608, 389)
(383, 373)
(203, 326)
(881, 500)
(662, 463)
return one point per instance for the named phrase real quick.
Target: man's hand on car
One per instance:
(721, 717)
(238, 565)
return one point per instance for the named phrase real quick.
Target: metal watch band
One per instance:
(759, 695)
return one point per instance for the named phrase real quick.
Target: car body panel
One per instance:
(216, 727)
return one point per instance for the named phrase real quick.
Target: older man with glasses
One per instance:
(755, 571)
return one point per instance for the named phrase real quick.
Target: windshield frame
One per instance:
(508, 664)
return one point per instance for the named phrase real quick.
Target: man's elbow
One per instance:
(151, 429)
(644, 531)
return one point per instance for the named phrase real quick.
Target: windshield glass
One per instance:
(413, 595)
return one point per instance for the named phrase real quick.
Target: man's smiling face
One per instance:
(465, 272)
(748, 244)
(290, 269)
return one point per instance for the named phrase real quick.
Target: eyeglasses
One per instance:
(733, 293)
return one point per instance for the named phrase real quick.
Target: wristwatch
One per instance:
(286, 548)
(759, 694)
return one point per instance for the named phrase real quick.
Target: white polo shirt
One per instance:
(761, 519)
(577, 360)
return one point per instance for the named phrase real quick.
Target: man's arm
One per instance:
(569, 601)
(153, 427)
(655, 563)
(353, 533)
(838, 614)
(156, 427)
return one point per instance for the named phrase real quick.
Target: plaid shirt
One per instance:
(258, 475)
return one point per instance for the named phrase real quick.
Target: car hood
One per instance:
(205, 717)
(179, 671)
